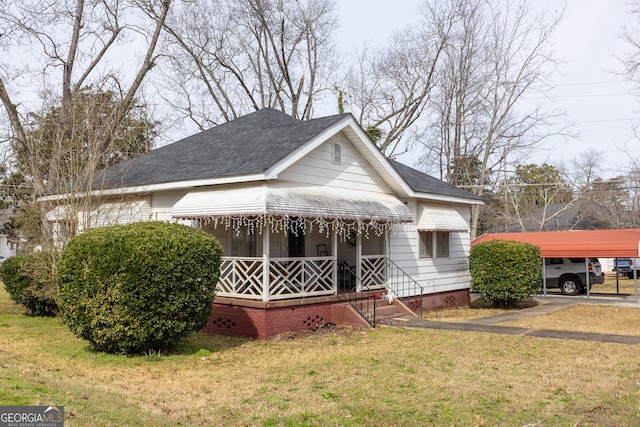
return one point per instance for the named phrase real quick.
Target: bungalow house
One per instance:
(309, 214)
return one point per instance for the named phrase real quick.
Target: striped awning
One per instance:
(441, 218)
(308, 202)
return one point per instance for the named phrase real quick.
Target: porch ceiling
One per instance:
(292, 201)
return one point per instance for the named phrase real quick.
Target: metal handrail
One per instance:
(401, 284)
(363, 301)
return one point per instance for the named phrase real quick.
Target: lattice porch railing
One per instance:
(374, 271)
(240, 278)
(288, 277)
(300, 277)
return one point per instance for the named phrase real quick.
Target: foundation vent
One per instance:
(313, 322)
(223, 323)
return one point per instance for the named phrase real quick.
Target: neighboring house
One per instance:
(9, 246)
(305, 211)
(7, 249)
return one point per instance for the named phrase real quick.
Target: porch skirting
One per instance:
(262, 320)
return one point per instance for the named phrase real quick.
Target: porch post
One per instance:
(265, 264)
(387, 254)
(359, 262)
(334, 255)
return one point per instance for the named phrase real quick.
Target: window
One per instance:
(337, 154)
(426, 244)
(243, 242)
(442, 244)
(434, 242)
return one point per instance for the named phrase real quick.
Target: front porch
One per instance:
(294, 257)
(278, 280)
(270, 279)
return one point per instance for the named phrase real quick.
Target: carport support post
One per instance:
(635, 284)
(544, 277)
(587, 277)
(617, 269)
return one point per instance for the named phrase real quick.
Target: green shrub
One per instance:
(30, 280)
(505, 272)
(138, 287)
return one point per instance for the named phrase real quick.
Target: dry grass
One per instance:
(345, 377)
(7, 305)
(476, 309)
(599, 319)
(624, 286)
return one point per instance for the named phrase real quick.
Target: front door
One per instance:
(296, 239)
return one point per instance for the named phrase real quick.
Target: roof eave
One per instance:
(167, 186)
(448, 199)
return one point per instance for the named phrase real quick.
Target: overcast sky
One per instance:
(596, 99)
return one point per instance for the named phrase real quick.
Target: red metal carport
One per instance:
(623, 243)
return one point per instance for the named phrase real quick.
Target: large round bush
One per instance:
(138, 287)
(505, 272)
(30, 280)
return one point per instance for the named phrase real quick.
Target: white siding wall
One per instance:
(225, 237)
(110, 213)
(318, 168)
(441, 274)
(162, 202)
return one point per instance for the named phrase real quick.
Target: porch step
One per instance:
(390, 313)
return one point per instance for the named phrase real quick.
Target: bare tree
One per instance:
(538, 197)
(70, 45)
(497, 55)
(249, 54)
(389, 87)
(583, 169)
(631, 34)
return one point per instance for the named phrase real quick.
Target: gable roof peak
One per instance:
(265, 118)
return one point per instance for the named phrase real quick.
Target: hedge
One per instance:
(30, 280)
(138, 287)
(505, 272)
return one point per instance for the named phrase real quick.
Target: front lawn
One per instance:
(341, 377)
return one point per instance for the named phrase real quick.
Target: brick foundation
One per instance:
(452, 299)
(256, 319)
(264, 320)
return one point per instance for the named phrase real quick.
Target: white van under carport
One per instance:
(582, 244)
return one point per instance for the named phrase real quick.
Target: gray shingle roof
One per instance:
(248, 145)
(423, 183)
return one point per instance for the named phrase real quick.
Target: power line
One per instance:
(594, 83)
(595, 95)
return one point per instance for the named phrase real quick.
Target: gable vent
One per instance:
(337, 153)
